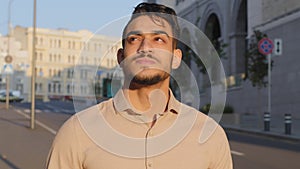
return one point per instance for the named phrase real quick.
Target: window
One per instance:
(41, 56)
(40, 87)
(50, 57)
(85, 74)
(59, 43)
(49, 87)
(81, 74)
(68, 88)
(54, 88)
(69, 73)
(59, 88)
(41, 72)
(99, 47)
(36, 56)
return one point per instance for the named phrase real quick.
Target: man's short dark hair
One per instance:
(154, 10)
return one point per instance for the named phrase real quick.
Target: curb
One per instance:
(292, 138)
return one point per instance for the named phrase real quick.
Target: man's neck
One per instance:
(150, 99)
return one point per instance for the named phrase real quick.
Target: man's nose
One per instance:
(145, 46)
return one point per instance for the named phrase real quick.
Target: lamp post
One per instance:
(8, 58)
(32, 119)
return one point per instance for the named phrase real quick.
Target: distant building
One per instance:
(232, 22)
(19, 64)
(58, 53)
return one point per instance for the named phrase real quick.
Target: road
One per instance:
(248, 150)
(261, 152)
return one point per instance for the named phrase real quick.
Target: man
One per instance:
(143, 126)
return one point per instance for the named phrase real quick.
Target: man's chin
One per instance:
(148, 80)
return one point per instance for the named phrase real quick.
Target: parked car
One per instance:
(12, 97)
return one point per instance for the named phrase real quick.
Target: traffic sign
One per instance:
(8, 59)
(278, 46)
(8, 69)
(265, 46)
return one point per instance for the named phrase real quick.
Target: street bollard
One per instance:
(288, 123)
(267, 119)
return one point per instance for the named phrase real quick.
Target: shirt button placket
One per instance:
(150, 160)
(150, 164)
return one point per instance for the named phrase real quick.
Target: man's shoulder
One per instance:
(207, 125)
(88, 113)
(102, 108)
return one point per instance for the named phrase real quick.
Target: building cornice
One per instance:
(280, 20)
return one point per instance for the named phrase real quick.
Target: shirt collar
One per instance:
(121, 104)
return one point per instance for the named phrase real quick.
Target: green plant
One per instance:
(227, 109)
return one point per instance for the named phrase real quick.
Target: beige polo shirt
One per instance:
(111, 135)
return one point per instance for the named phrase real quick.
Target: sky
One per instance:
(73, 15)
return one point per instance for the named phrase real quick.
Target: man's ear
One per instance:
(176, 58)
(120, 56)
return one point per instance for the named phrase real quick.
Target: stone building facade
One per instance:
(232, 22)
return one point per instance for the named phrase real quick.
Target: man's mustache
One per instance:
(145, 55)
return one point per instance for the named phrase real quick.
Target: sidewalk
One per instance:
(20, 146)
(254, 124)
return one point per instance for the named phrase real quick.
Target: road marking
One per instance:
(38, 122)
(237, 153)
(29, 111)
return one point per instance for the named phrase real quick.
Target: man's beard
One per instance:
(147, 81)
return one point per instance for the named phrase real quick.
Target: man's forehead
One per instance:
(147, 24)
(154, 32)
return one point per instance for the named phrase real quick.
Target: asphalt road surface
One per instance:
(260, 152)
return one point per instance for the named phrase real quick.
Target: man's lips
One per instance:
(145, 61)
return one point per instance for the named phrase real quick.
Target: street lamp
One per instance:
(32, 119)
(8, 58)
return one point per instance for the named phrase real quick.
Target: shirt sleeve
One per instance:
(221, 156)
(64, 152)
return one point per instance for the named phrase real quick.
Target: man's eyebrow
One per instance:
(156, 32)
(161, 32)
(134, 33)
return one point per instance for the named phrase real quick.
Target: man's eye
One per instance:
(132, 39)
(159, 39)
